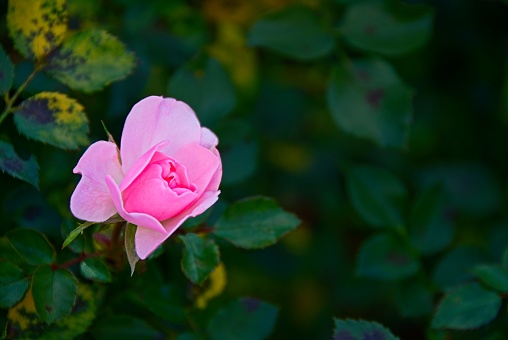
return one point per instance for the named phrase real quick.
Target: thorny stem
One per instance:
(9, 102)
(75, 260)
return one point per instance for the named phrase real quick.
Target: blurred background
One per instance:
(283, 133)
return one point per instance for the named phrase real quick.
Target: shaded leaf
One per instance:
(377, 195)
(124, 327)
(369, 100)
(209, 92)
(6, 72)
(360, 330)
(54, 292)
(13, 284)
(164, 300)
(494, 276)
(455, 267)
(11, 163)
(89, 60)
(95, 269)
(469, 187)
(200, 257)
(466, 307)
(32, 246)
(255, 222)
(387, 27)
(385, 257)
(36, 26)
(245, 318)
(239, 162)
(293, 31)
(413, 299)
(53, 118)
(130, 247)
(431, 228)
(23, 321)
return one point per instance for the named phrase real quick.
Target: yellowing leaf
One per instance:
(23, 322)
(53, 118)
(37, 26)
(217, 284)
(89, 60)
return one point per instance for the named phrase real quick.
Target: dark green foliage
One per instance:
(200, 257)
(11, 163)
(360, 330)
(54, 292)
(255, 222)
(369, 100)
(95, 269)
(245, 318)
(466, 307)
(295, 32)
(6, 72)
(386, 257)
(32, 246)
(13, 284)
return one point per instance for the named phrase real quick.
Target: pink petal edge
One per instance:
(153, 120)
(146, 240)
(91, 200)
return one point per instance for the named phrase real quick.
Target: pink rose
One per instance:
(169, 171)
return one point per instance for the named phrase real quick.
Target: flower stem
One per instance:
(75, 260)
(9, 102)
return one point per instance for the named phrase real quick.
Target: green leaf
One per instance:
(54, 292)
(66, 228)
(6, 72)
(455, 267)
(385, 257)
(23, 321)
(78, 231)
(13, 284)
(124, 327)
(12, 164)
(431, 229)
(466, 307)
(387, 27)
(209, 92)
(369, 100)
(53, 118)
(164, 300)
(245, 318)
(188, 336)
(89, 60)
(413, 299)
(360, 330)
(95, 269)
(255, 222)
(494, 276)
(37, 27)
(32, 246)
(294, 31)
(200, 257)
(130, 246)
(377, 195)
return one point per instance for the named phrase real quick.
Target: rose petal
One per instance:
(140, 165)
(91, 200)
(140, 219)
(201, 164)
(157, 119)
(154, 198)
(208, 139)
(147, 240)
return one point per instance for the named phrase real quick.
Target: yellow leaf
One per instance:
(37, 26)
(217, 283)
